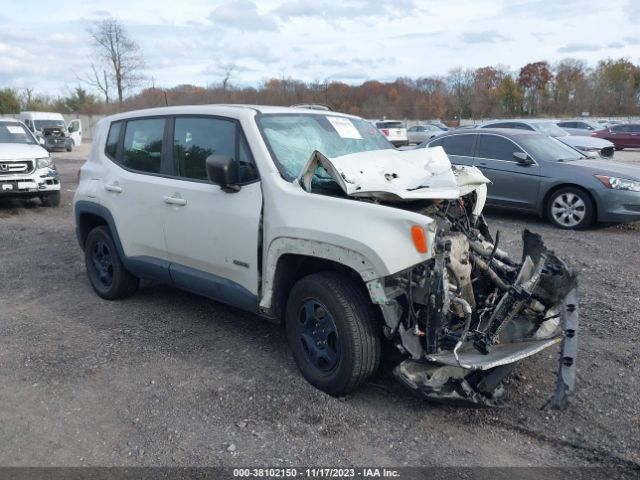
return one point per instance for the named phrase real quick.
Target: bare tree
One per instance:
(228, 72)
(120, 55)
(98, 80)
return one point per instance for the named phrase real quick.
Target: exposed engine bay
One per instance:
(465, 317)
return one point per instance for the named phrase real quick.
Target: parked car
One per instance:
(26, 169)
(395, 131)
(533, 172)
(625, 135)
(279, 211)
(591, 147)
(56, 138)
(440, 125)
(420, 133)
(579, 127)
(312, 106)
(66, 137)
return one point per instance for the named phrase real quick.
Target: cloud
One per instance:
(590, 47)
(632, 40)
(344, 10)
(486, 36)
(417, 35)
(100, 13)
(545, 9)
(632, 10)
(243, 15)
(580, 47)
(374, 62)
(63, 38)
(355, 74)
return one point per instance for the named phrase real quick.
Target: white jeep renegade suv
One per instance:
(312, 217)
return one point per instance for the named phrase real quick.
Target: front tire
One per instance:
(571, 209)
(332, 332)
(50, 199)
(108, 276)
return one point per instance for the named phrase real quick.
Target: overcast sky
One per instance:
(44, 44)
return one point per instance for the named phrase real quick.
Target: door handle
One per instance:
(113, 187)
(174, 199)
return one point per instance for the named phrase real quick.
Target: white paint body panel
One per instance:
(214, 228)
(215, 232)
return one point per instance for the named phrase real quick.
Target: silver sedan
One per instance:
(421, 133)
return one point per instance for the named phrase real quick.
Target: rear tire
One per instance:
(571, 208)
(108, 276)
(332, 332)
(50, 199)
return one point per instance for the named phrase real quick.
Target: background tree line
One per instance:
(568, 88)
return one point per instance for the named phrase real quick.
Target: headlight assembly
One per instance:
(44, 162)
(616, 183)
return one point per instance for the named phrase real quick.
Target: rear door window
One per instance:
(497, 148)
(461, 145)
(142, 149)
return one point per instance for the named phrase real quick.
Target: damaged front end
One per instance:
(466, 316)
(475, 313)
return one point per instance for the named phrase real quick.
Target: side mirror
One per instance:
(522, 158)
(72, 127)
(223, 171)
(41, 140)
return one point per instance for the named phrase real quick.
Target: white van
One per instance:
(36, 121)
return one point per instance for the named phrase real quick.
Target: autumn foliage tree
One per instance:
(534, 79)
(568, 88)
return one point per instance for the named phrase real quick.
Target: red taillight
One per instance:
(593, 134)
(385, 132)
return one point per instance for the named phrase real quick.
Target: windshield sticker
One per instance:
(15, 130)
(344, 127)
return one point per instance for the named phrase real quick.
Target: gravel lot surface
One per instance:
(168, 378)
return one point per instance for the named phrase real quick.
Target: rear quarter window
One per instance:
(111, 146)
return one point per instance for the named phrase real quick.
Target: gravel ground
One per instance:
(168, 378)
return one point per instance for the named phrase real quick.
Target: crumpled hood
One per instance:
(21, 151)
(395, 174)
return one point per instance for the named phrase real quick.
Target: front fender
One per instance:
(364, 266)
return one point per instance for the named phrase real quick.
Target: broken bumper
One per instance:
(473, 378)
(43, 180)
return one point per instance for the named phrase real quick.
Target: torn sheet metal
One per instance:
(500, 354)
(568, 351)
(395, 174)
